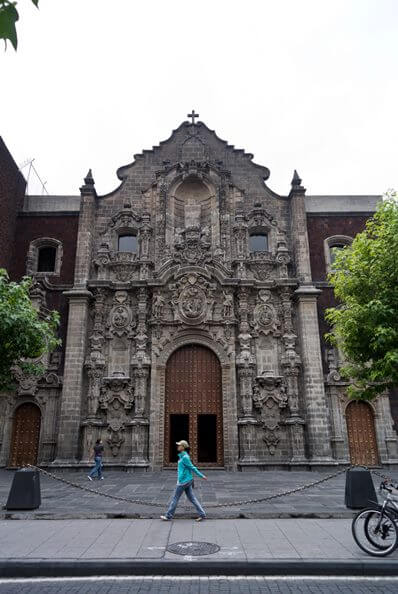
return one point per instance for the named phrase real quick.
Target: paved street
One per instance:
(62, 501)
(201, 585)
(239, 540)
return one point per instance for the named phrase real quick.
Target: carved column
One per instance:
(240, 234)
(141, 365)
(245, 363)
(291, 365)
(94, 365)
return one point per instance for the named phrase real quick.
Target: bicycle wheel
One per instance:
(378, 534)
(375, 532)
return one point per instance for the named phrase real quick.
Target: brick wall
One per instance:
(63, 228)
(12, 191)
(322, 227)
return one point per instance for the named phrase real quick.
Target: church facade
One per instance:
(192, 306)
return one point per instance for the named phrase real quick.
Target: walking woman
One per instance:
(185, 483)
(97, 470)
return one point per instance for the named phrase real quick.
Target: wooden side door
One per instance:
(25, 435)
(362, 434)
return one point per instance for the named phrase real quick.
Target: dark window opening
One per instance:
(127, 243)
(334, 249)
(207, 438)
(46, 259)
(179, 429)
(258, 242)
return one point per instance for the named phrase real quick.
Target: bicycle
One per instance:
(379, 524)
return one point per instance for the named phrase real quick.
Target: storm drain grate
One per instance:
(194, 548)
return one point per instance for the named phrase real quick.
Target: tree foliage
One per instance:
(8, 19)
(24, 333)
(365, 324)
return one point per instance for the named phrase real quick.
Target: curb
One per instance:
(123, 567)
(239, 515)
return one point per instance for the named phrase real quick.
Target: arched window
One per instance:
(332, 245)
(127, 242)
(258, 242)
(44, 257)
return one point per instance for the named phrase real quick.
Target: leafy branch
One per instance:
(8, 19)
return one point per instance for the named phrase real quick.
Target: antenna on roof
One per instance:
(29, 162)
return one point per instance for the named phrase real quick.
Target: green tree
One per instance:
(365, 324)
(8, 19)
(24, 333)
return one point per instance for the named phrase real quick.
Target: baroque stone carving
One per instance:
(158, 303)
(116, 399)
(121, 320)
(269, 397)
(228, 305)
(265, 319)
(192, 299)
(192, 246)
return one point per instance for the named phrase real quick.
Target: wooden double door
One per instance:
(194, 405)
(25, 435)
(362, 434)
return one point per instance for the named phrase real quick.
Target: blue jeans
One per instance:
(191, 496)
(97, 468)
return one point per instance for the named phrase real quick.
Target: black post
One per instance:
(359, 488)
(25, 490)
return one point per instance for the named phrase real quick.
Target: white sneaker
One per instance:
(102, 478)
(165, 518)
(89, 478)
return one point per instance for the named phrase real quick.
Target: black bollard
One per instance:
(359, 488)
(25, 490)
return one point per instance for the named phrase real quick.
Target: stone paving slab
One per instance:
(62, 501)
(239, 540)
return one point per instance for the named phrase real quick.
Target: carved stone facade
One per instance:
(193, 276)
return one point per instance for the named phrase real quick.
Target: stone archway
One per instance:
(158, 397)
(361, 432)
(193, 405)
(25, 435)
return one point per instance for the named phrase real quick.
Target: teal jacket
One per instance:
(185, 469)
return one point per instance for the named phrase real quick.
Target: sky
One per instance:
(310, 85)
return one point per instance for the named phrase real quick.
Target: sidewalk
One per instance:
(60, 501)
(117, 547)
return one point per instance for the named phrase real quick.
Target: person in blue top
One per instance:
(185, 483)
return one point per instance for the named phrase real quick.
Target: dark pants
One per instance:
(191, 496)
(97, 468)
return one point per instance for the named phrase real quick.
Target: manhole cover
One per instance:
(193, 548)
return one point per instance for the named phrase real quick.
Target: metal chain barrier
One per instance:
(208, 506)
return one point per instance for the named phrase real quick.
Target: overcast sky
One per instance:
(305, 84)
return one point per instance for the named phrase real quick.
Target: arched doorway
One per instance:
(194, 405)
(25, 435)
(361, 434)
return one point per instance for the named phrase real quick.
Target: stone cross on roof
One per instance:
(193, 115)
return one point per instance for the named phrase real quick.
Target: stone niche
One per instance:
(192, 204)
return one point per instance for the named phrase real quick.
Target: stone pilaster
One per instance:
(299, 233)
(76, 342)
(85, 231)
(75, 349)
(317, 414)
